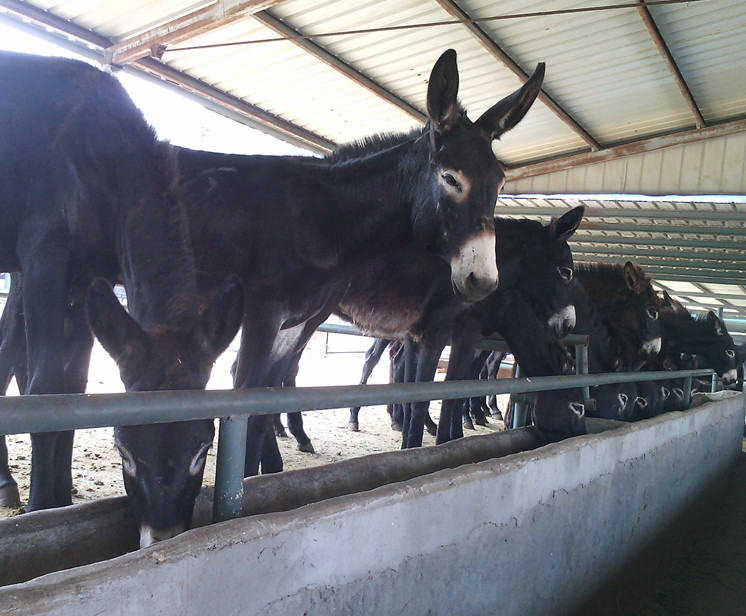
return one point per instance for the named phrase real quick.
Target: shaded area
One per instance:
(698, 567)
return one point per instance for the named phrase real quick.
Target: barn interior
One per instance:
(641, 118)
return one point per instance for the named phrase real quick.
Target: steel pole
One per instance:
(230, 468)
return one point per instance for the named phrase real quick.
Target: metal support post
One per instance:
(688, 391)
(714, 385)
(230, 468)
(519, 407)
(581, 366)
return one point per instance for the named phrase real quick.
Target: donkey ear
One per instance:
(563, 227)
(503, 116)
(634, 277)
(115, 329)
(442, 91)
(717, 324)
(221, 318)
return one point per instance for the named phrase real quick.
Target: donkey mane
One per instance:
(611, 352)
(372, 144)
(604, 271)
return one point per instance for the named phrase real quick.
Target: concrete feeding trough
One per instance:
(565, 516)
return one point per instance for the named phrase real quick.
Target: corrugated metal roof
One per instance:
(642, 98)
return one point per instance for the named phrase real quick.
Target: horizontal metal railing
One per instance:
(53, 412)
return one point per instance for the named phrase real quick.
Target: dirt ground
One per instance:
(96, 463)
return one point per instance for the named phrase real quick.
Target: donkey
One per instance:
(299, 229)
(408, 293)
(87, 194)
(706, 337)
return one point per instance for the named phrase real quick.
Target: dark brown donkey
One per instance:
(87, 192)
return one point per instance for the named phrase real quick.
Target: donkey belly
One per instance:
(383, 317)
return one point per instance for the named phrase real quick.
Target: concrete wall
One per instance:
(532, 533)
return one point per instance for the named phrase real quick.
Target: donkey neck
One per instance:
(376, 198)
(157, 263)
(685, 333)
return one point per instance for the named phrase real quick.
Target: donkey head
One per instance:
(547, 270)
(639, 316)
(559, 414)
(465, 177)
(163, 464)
(720, 352)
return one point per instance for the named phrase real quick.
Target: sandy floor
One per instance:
(96, 464)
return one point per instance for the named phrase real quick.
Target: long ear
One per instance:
(717, 324)
(442, 92)
(634, 277)
(563, 227)
(115, 329)
(222, 317)
(503, 116)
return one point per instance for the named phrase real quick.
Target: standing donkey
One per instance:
(87, 192)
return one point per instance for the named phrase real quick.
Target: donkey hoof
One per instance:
(9, 496)
(307, 448)
(497, 415)
(396, 427)
(281, 433)
(353, 426)
(432, 430)
(481, 421)
(468, 425)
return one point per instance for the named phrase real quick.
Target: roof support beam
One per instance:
(614, 240)
(498, 52)
(211, 97)
(673, 68)
(334, 62)
(627, 212)
(677, 256)
(663, 228)
(627, 149)
(238, 109)
(151, 42)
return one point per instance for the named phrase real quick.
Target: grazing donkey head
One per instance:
(466, 177)
(163, 464)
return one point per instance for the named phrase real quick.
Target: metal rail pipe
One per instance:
(486, 344)
(57, 412)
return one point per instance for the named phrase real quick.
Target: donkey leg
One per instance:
(9, 496)
(79, 345)
(372, 357)
(427, 364)
(13, 345)
(277, 425)
(44, 299)
(459, 363)
(295, 425)
(396, 375)
(271, 458)
(409, 360)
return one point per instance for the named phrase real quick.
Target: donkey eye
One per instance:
(128, 463)
(730, 353)
(653, 314)
(449, 179)
(565, 273)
